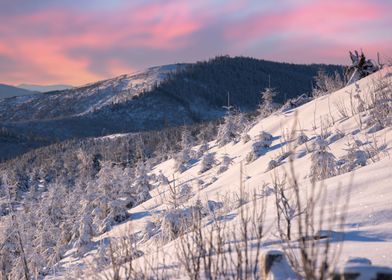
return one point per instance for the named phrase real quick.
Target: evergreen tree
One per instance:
(267, 107)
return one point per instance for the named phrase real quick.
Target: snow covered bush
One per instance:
(162, 179)
(295, 102)
(272, 164)
(176, 221)
(354, 158)
(302, 139)
(202, 149)
(283, 156)
(323, 163)
(185, 192)
(245, 138)
(361, 105)
(335, 136)
(207, 162)
(380, 104)
(225, 163)
(260, 146)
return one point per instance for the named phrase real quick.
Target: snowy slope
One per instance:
(368, 226)
(82, 100)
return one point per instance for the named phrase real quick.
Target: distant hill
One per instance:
(158, 97)
(11, 91)
(44, 88)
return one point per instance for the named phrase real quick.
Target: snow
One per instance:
(368, 225)
(85, 99)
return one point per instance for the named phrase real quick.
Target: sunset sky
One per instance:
(75, 42)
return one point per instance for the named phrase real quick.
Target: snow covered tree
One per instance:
(231, 129)
(140, 188)
(326, 84)
(184, 156)
(207, 162)
(323, 162)
(85, 228)
(267, 107)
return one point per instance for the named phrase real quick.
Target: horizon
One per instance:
(75, 43)
(141, 70)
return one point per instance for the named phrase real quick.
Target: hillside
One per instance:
(7, 91)
(328, 160)
(160, 96)
(44, 88)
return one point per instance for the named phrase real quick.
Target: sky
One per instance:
(79, 41)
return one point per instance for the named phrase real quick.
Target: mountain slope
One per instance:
(44, 88)
(334, 119)
(84, 208)
(160, 96)
(7, 91)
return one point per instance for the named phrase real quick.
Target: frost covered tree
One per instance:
(325, 84)
(140, 190)
(85, 228)
(267, 107)
(207, 162)
(234, 124)
(323, 162)
(184, 156)
(110, 195)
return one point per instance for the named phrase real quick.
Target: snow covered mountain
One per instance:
(155, 98)
(330, 156)
(83, 100)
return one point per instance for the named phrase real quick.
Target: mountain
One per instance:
(314, 179)
(44, 88)
(11, 91)
(160, 96)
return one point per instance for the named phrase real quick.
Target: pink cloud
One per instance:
(322, 18)
(315, 31)
(43, 39)
(55, 44)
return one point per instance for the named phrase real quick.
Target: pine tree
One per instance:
(267, 107)
(85, 228)
(184, 156)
